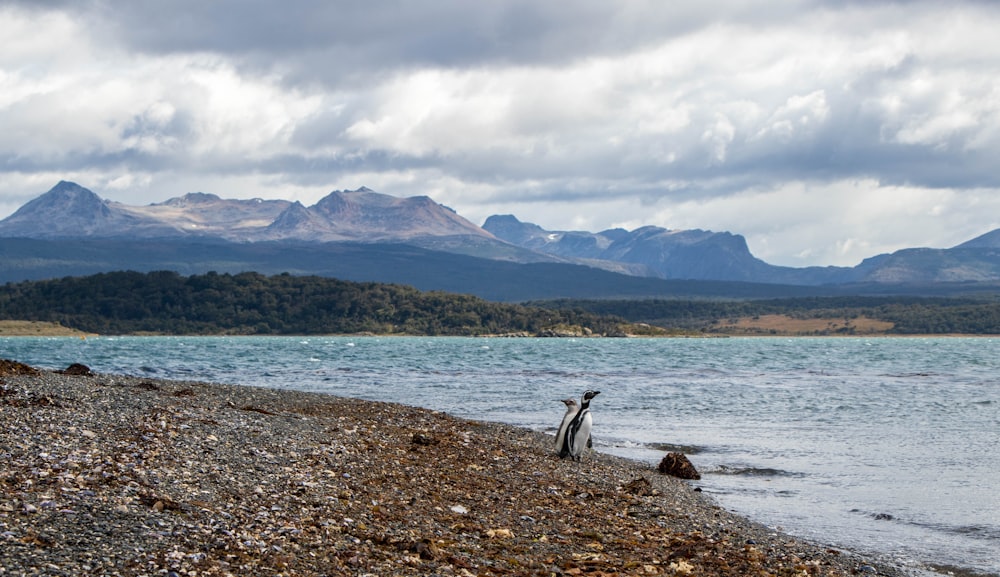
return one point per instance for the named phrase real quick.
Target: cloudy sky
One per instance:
(824, 132)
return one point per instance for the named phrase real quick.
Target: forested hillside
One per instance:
(250, 303)
(907, 315)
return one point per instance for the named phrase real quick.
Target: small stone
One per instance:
(639, 486)
(427, 550)
(459, 509)
(422, 439)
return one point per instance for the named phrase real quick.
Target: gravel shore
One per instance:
(113, 475)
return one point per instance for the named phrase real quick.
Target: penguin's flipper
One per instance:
(564, 450)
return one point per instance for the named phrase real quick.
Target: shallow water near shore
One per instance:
(881, 444)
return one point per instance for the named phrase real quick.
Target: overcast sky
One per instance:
(823, 132)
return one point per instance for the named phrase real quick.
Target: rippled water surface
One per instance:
(869, 444)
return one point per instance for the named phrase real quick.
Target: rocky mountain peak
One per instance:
(66, 197)
(297, 222)
(364, 212)
(988, 240)
(192, 198)
(67, 209)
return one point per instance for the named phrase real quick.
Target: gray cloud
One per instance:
(440, 32)
(590, 114)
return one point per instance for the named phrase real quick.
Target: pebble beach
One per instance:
(113, 475)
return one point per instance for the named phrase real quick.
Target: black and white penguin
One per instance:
(571, 409)
(578, 432)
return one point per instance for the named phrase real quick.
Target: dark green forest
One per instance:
(909, 315)
(250, 303)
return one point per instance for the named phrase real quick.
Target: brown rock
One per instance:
(678, 465)
(425, 440)
(427, 550)
(77, 369)
(15, 368)
(639, 486)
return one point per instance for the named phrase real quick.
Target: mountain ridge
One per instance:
(69, 211)
(670, 254)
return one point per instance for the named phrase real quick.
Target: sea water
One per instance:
(888, 446)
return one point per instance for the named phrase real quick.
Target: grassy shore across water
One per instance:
(113, 475)
(12, 328)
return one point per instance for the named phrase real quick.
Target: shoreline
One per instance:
(139, 476)
(73, 333)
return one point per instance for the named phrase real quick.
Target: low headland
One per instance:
(17, 328)
(114, 475)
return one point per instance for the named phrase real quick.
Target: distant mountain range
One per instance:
(69, 210)
(365, 235)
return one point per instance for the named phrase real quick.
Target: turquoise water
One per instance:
(880, 445)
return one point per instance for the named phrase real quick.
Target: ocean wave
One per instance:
(913, 375)
(672, 448)
(989, 533)
(751, 472)
(979, 532)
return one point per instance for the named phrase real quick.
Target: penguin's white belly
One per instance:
(579, 436)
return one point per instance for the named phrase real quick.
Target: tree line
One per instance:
(250, 303)
(253, 304)
(910, 315)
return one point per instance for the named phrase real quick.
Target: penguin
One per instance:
(571, 410)
(577, 434)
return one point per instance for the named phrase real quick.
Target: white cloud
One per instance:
(168, 111)
(768, 122)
